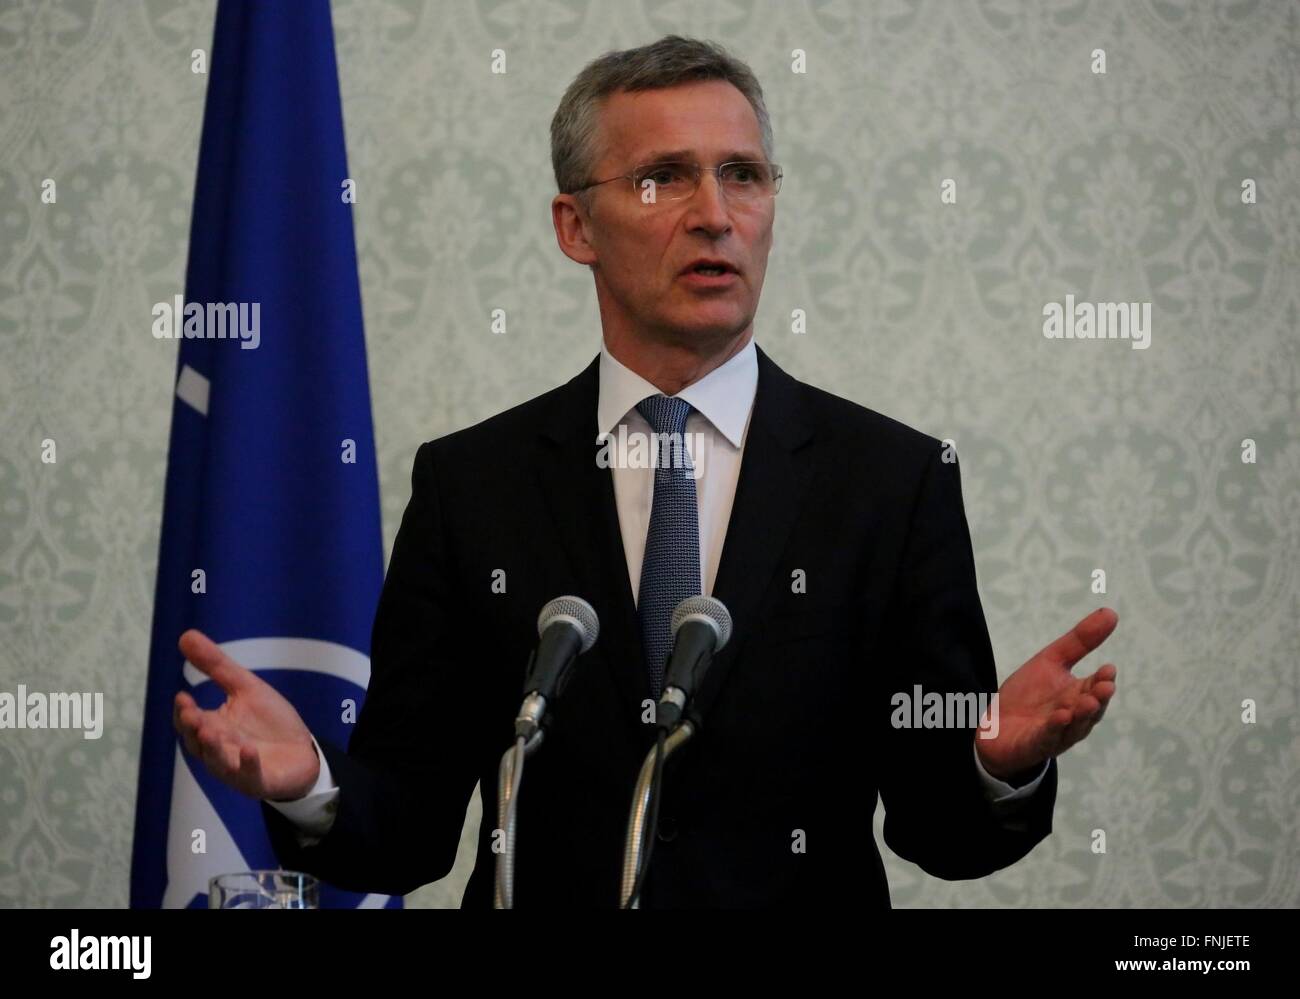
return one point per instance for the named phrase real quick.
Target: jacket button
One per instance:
(667, 829)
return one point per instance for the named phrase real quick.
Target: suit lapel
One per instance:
(769, 494)
(580, 496)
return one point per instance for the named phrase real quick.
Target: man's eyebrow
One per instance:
(663, 156)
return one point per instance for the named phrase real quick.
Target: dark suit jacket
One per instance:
(796, 732)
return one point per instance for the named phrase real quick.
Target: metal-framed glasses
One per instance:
(741, 180)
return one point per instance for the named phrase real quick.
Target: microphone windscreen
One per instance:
(575, 610)
(702, 606)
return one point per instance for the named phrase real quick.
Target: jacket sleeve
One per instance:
(937, 814)
(409, 770)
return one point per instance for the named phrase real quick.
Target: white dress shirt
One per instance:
(721, 402)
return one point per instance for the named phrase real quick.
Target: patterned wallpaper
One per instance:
(1078, 455)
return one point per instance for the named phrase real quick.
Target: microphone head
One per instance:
(575, 611)
(707, 609)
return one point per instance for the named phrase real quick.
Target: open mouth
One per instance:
(710, 275)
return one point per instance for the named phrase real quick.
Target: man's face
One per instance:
(640, 252)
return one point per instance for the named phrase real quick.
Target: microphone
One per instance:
(566, 628)
(701, 627)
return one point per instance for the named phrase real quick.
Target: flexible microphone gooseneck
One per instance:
(566, 628)
(701, 626)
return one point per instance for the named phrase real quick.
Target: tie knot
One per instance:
(665, 414)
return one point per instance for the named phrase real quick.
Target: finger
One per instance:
(181, 702)
(190, 740)
(185, 719)
(1101, 685)
(206, 749)
(219, 753)
(192, 718)
(1103, 691)
(1082, 638)
(208, 658)
(1103, 679)
(250, 769)
(1104, 696)
(1107, 672)
(184, 706)
(188, 719)
(1094, 721)
(1049, 743)
(1085, 711)
(1092, 724)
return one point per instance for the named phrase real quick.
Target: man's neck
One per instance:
(670, 368)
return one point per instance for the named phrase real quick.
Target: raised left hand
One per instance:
(1043, 709)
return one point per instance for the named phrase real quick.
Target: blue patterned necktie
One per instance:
(670, 571)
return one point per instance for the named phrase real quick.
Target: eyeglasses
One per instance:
(677, 181)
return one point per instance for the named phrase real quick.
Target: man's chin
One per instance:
(703, 332)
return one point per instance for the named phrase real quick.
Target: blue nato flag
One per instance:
(271, 540)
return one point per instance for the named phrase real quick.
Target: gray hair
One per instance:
(670, 61)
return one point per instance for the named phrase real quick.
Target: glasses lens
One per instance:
(750, 180)
(666, 181)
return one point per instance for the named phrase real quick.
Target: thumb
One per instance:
(208, 658)
(1081, 639)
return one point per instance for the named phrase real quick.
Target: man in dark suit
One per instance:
(835, 536)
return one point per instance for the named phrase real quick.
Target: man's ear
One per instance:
(571, 216)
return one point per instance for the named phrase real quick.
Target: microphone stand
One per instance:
(510, 775)
(635, 852)
(545, 678)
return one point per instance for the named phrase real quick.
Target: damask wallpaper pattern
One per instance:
(1077, 455)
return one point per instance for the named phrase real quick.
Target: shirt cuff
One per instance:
(314, 812)
(998, 791)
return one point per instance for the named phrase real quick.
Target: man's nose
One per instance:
(709, 205)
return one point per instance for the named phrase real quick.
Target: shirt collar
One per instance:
(724, 396)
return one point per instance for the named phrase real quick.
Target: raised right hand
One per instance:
(255, 742)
